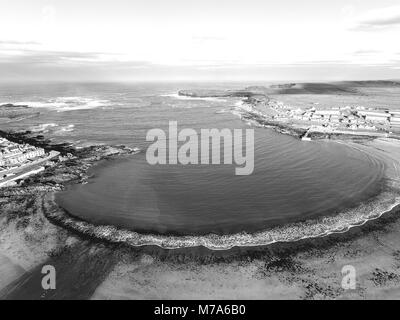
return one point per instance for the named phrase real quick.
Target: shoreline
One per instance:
(306, 268)
(114, 235)
(311, 228)
(291, 232)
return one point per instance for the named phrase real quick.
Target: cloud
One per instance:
(31, 65)
(377, 19)
(18, 43)
(20, 64)
(35, 57)
(348, 10)
(28, 64)
(208, 38)
(366, 52)
(48, 15)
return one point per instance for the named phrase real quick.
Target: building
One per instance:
(13, 154)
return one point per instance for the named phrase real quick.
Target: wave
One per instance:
(53, 128)
(62, 104)
(67, 128)
(43, 127)
(239, 109)
(313, 228)
(222, 111)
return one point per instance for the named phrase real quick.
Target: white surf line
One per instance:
(117, 235)
(223, 242)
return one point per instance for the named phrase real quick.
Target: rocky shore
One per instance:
(26, 235)
(15, 112)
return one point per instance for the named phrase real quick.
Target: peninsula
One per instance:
(312, 121)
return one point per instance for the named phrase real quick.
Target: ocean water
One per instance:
(292, 180)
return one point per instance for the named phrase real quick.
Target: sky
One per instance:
(203, 40)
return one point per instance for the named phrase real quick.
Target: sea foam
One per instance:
(61, 104)
(289, 233)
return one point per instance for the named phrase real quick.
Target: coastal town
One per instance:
(262, 105)
(18, 161)
(358, 120)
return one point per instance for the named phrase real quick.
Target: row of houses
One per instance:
(341, 117)
(13, 155)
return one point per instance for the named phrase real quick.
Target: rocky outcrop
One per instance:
(12, 111)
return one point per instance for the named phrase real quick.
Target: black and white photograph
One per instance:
(199, 155)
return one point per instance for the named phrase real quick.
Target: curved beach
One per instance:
(385, 150)
(299, 260)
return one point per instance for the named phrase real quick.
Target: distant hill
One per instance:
(342, 87)
(372, 83)
(316, 88)
(338, 88)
